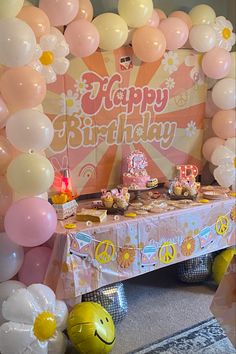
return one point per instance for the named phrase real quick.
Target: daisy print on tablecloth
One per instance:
(224, 33)
(70, 103)
(170, 83)
(191, 129)
(81, 86)
(50, 58)
(35, 324)
(170, 62)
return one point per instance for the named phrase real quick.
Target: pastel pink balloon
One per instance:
(82, 37)
(60, 12)
(175, 31)
(210, 145)
(6, 195)
(85, 11)
(148, 43)
(154, 20)
(211, 108)
(4, 113)
(36, 19)
(6, 154)
(224, 124)
(183, 16)
(30, 222)
(216, 63)
(22, 87)
(161, 14)
(35, 265)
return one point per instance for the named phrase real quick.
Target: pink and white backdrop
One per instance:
(110, 103)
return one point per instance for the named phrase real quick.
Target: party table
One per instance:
(97, 254)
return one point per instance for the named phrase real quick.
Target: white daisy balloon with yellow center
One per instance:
(50, 57)
(224, 33)
(36, 321)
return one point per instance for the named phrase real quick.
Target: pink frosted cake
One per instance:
(136, 176)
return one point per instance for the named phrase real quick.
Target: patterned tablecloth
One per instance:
(89, 257)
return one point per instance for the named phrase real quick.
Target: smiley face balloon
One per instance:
(91, 329)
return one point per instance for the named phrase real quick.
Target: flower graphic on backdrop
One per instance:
(36, 322)
(139, 132)
(170, 83)
(170, 62)
(196, 74)
(224, 157)
(69, 103)
(81, 86)
(126, 256)
(224, 33)
(50, 58)
(191, 129)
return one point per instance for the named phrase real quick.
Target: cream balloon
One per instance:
(136, 13)
(10, 8)
(224, 94)
(112, 29)
(232, 72)
(202, 14)
(17, 43)
(30, 174)
(202, 38)
(29, 130)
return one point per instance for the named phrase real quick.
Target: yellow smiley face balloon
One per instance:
(91, 329)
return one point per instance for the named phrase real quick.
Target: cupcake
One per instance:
(108, 201)
(177, 190)
(121, 202)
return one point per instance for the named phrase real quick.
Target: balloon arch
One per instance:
(35, 43)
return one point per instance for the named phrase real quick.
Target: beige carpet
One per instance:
(159, 306)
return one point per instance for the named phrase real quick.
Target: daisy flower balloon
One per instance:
(50, 58)
(36, 321)
(224, 33)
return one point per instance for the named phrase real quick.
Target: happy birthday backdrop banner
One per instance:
(110, 103)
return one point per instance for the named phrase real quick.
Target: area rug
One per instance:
(204, 338)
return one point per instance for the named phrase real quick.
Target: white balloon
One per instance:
(224, 94)
(11, 258)
(225, 176)
(202, 38)
(17, 42)
(29, 129)
(222, 156)
(232, 73)
(8, 288)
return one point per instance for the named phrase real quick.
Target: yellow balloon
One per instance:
(30, 174)
(232, 72)
(136, 13)
(113, 31)
(221, 263)
(10, 8)
(202, 14)
(91, 329)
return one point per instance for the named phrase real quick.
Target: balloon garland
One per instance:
(34, 46)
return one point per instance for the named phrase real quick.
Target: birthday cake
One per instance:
(136, 176)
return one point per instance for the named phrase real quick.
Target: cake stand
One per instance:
(137, 193)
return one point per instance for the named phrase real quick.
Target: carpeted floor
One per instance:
(160, 306)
